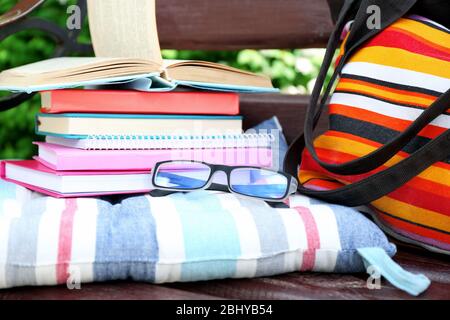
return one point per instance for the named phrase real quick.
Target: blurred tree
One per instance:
(293, 71)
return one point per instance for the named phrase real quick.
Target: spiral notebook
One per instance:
(141, 142)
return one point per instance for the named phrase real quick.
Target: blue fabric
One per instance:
(272, 236)
(22, 245)
(7, 190)
(126, 241)
(200, 238)
(355, 231)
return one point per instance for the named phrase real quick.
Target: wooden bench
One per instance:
(261, 24)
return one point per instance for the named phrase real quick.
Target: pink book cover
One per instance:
(35, 165)
(71, 159)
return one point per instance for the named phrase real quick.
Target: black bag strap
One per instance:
(356, 193)
(380, 156)
(293, 155)
(388, 180)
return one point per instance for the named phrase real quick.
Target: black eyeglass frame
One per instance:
(291, 185)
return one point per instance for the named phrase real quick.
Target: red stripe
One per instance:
(312, 236)
(396, 39)
(65, 241)
(413, 228)
(322, 184)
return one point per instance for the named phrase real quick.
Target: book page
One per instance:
(124, 29)
(56, 65)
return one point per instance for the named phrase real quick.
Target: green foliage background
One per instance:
(293, 71)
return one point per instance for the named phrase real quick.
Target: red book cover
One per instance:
(137, 102)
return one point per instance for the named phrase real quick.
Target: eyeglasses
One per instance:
(252, 182)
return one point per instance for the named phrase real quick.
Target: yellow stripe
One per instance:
(399, 58)
(411, 213)
(306, 175)
(424, 31)
(433, 173)
(384, 93)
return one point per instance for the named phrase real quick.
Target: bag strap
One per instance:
(293, 155)
(389, 179)
(380, 156)
(391, 10)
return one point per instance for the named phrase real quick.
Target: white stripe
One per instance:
(84, 239)
(299, 200)
(397, 75)
(10, 209)
(388, 109)
(296, 236)
(170, 239)
(250, 244)
(48, 241)
(330, 243)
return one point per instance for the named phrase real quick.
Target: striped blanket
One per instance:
(182, 237)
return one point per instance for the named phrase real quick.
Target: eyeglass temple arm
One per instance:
(20, 10)
(294, 185)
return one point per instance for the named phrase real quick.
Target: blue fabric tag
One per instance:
(414, 284)
(279, 145)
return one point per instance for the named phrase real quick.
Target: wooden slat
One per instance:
(20, 10)
(243, 24)
(290, 110)
(103, 291)
(333, 286)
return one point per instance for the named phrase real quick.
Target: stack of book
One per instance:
(101, 142)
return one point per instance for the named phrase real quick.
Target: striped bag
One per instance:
(388, 143)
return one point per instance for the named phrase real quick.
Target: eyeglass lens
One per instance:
(258, 183)
(182, 175)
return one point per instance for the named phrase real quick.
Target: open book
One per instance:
(126, 45)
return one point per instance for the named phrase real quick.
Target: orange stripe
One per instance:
(331, 133)
(340, 134)
(384, 88)
(402, 59)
